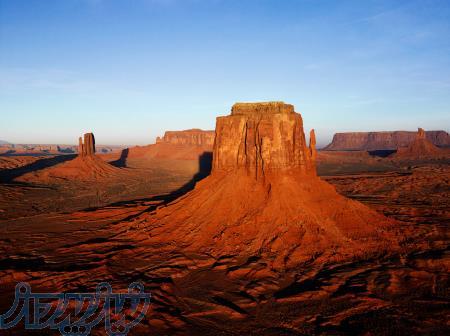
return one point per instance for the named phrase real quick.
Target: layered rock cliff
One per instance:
(195, 136)
(261, 137)
(369, 141)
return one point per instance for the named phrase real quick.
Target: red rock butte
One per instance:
(262, 137)
(263, 197)
(88, 147)
(86, 166)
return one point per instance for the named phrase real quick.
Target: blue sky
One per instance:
(130, 69)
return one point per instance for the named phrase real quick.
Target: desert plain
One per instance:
(247, 229)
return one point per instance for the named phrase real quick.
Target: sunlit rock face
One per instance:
(86, 148)
(261, 137)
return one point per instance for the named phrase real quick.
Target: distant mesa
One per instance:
(263, 198)
(373, 141)
(194, 136)
(177, 145)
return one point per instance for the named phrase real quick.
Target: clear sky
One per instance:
(130, 69)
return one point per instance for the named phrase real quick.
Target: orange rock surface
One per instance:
(263, 197)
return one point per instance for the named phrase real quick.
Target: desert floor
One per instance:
(67, 235)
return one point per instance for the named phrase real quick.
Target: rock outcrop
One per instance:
(85, 167)
(371, 141)
(312, 145)
(195, 137)
(261, 137)
(264, 199)
(419, 148)
(88, 147)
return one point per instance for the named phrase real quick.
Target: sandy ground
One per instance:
(70, 236)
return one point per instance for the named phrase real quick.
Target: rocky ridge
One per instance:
(194, 136)
(370, 141)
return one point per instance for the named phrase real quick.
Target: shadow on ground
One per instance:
(204, 169)
(8, 175)
(122, 161)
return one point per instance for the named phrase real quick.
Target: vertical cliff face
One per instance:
(261, 137)
(88, 147)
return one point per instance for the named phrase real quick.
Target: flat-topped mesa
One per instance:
(266, 107)
(369, 141)
(88, 147)
(194, 136)
(262, 137)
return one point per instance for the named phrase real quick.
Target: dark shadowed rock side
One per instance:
(371, 141)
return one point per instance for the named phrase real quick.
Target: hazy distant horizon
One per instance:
(320, 144)
(129, 71)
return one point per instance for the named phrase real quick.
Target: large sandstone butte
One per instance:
(369, 141)
(263, 198)
(188, 137)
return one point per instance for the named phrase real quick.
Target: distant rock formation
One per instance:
(371, 141)
(88, 147)
(195, 137)
(85, 167)
(176, 145)
(419, 148)
(264, 199)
